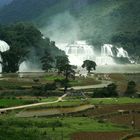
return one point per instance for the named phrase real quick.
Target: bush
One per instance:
(109, 91)
(131, 89)
(50, 86)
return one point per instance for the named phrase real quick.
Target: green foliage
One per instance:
(26, 42)
(63, 66)
(98, 21)
(128, 40)
(12, 59)
(41, 128)
(61, 62)
(89, 65)
(109, 91)
(50, 86)
(20, 37)
(120, 100)
(47, 61)
(131, 89)
(15, 102)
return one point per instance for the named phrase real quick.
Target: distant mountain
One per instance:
(95, 20)
(4, 2)
(24, 10)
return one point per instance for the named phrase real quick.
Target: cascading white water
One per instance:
(3, 47)
(78, 52)
(106, 50)
(109, 52)
(106, 55)
(122, 53)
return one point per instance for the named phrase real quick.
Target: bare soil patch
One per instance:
(99, 135)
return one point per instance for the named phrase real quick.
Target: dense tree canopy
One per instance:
(131, 89)
(47, 61)
(89, 65)
(26, 42)
(61, 62)
(129, 41)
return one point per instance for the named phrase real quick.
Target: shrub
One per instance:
(109, 91)
(131, 89)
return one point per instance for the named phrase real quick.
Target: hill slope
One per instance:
(95, 20)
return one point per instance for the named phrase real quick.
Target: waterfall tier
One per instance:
(78, 52)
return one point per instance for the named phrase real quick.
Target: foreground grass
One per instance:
(79, 81)
(12, 128)
(68, 102)
(14, 84)
(65, 103)
(15, 102)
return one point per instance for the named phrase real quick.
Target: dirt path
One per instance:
(32, 105)
(103, 84)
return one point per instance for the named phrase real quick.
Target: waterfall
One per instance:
(106, 50)
(3, 47)
(78, 52)
(106, 55)
(122, 53)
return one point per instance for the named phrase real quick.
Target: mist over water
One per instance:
(65, 30)
(62, 28)
(3, 48)
(28, 66)
(79, 51)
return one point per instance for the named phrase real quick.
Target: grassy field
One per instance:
(51, 128)
(57, 128)
(65, 103)
(15, 102)
(19, 83)
(121, 100)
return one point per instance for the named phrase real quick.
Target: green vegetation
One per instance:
(4, 103)
(47, 61)
(26, 43)
(121, 100)
(49, 99)
(66, 103)
(89, 65)
(131, 89)
(42, 128)
(109, 91)
(14, 84)
(101, 21)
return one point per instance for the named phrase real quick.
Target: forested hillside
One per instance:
(4, 2)
(99, 21)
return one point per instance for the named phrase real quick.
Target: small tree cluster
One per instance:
(131, 89)
(89, 65)
(109, 91)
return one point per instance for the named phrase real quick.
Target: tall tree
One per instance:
(47, 61)
(63, 66)
(68, 73)
(89, 65)
(61, 62)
